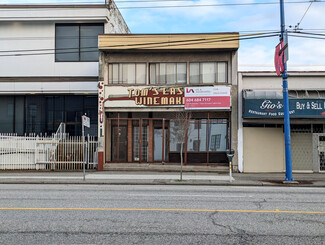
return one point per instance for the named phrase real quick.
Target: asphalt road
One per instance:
(104, 214)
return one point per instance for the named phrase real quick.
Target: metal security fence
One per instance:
(58, 152)
(319, 151)
(302, 151)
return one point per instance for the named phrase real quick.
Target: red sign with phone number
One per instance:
(207, 98)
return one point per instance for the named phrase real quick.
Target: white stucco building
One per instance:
(49, 64)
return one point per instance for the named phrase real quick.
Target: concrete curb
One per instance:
(154, 182)
(158, 178)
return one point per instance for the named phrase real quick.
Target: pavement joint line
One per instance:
(171, 210)
(122, 177)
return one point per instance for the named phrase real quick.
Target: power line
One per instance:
(213, 5)
(158, 45)
(103, 2)
(38, 38)
(314, 30)
(297, 26)
(161, 44)
(307, 33)
(152, 43)
(310, 37)
(184, 6)
(45, 38)
(92, 37)
(227, 40)
(164, 44)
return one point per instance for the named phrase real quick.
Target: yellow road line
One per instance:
(169, 210)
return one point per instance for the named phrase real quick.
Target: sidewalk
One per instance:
(160, 178)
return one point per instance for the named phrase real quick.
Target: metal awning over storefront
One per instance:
(269, 104)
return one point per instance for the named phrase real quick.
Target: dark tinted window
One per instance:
(7, 114)
(77, 42)
(41, 114)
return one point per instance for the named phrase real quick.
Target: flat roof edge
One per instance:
(20, 6)
(169, 34)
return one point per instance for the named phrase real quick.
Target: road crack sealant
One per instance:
(243, 236)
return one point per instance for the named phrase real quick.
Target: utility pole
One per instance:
(287, 136)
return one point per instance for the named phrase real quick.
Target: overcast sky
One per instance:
(257, 54)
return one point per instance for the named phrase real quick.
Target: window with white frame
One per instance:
(167, 73)
(208, 72)
(127, 73)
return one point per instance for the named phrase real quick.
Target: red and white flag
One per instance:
(278, 58)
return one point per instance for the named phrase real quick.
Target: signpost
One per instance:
(85, 122)
(287, 137)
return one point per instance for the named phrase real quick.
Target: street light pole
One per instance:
(287, 136)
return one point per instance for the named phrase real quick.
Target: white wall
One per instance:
(34, 28)
(263, 150)
(296, 81)
(57, 13)
(84, 87)
(34, 36)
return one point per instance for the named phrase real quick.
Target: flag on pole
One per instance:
(278, 58)
(86, 121)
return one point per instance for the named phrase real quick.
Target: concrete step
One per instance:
(162, 167)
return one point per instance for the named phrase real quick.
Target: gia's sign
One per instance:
(274, 108)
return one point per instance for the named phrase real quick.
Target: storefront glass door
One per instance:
(160, 144)
(120, 143)
(140, 140)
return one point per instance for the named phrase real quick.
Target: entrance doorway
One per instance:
(160, 133)
(119, 137)
(159, 140)
(140, 140)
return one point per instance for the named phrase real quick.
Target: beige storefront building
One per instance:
(143, 82)
(260, 124)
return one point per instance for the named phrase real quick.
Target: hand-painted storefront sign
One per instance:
(152, 96)
(266, 108)
(101, 108)
(198, 98)
(157, 96)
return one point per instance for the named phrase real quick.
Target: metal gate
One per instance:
(52, 153)
(302, 150)
(319, 152)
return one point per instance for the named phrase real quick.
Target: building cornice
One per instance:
(46, 6)
(170, 42)
(49, 79)
(273, 74)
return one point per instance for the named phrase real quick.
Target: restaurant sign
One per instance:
(273, 108)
